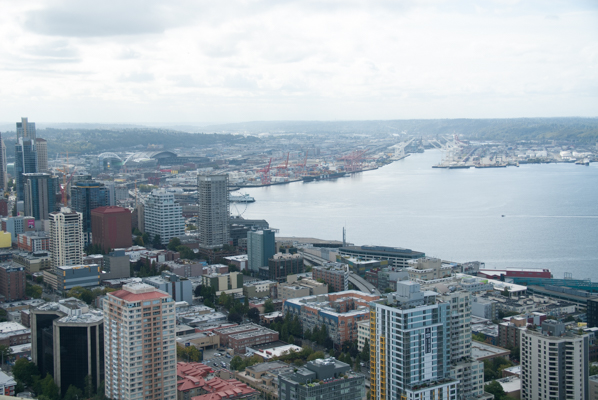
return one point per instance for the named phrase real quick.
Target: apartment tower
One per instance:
(66, 238)
(140, 354)
(85, 196)
(163, 216)
(554, 363)
(261, 246)
(214, 210)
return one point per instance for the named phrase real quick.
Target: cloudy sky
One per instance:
(226, 61)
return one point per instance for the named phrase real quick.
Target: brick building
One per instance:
(281, 265)
(33, 241)
(241, 336)
(336, 275)
(12, 281)
(111, 227)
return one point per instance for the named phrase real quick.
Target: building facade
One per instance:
(66, 238)
(163, 216)
(3, 172)
(40, 191)
(111, 227)
(261, 246)
(554, 364)
(12, 281)
(140, 354)
(335, 275)
(25, 163)
(42, 154)
(87, 195)
(33, 241)
(396, 256)
(180, 289)
(281, 265)
(214, 210)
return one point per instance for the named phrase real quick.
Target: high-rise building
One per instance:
(111, 227)
(139, 332)
(592, 312)
(66, 238)
(12, 281)
(554, 363)
(261, 245)
(281, 265)
(3, 172)
(68, 342)
(26, 129)
(42, 154)
(40, 191)
(163, 216)
(214, 210)
(25, 163)
(86, 196)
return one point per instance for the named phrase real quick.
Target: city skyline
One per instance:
(188, 62)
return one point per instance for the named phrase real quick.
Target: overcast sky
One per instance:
(228, 61)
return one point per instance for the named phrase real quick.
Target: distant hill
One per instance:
(575, 129)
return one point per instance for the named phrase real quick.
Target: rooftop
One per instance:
(138, 291)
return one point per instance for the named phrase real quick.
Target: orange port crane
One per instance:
(282, 168)
(353, 160)
(266, 173)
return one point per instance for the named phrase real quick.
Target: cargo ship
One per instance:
(323, 176)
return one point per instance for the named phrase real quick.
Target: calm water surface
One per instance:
(550, 212)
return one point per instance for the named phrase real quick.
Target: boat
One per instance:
(323, 177)
(243, 198)
(585, 161)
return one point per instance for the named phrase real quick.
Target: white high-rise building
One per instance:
(3, 173)
(163, 216)
(214, 210)
(139, 343)
(554, 364)
(66, 238)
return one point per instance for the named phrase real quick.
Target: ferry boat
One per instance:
(243, 198)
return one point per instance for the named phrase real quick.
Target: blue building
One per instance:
(86, 196)
(40, 191)
(25, 163)
(261, 246)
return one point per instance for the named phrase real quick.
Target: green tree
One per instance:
(81, 293)
(185, 252)
(73, 393)
(235, 363)
(24, 371)
(268, 306)
(34, 291)
(253, 314)
(496, 389)
(49, 388)
(315, 355)
(365, 352)
(157, 242)
(174, 243)
(5, 353)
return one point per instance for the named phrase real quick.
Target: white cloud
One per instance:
(271, 60)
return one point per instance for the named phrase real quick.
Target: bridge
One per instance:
(356, 280)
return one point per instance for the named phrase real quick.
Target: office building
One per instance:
(3, 172)
(4, 206)
(335, 275)
(396, 256)
(140, 355)
(17, 225)
(111, 227)
(40, 190)
(116, 265)
(321, 379)
(232, 281)
(68, 342)
(25, 163)
(12, 281)
(34, 261)
(261, 246)
(294, 288)
(592, 312)
(41, 146)
(178, 288)
(66, 238)
(338, 312)
(240, 337)
(86, 196)
(163, 216)
(69, 276)
(427, 269)
(554, 363)
(281, 265)
(26, 129)
(213, 218)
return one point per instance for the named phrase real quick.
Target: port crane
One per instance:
(400, 148)
(353, 160)
(266, 173)
(282, 168)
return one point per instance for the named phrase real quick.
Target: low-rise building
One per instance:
(223, 282)
(264, 376)
(179, 288)
(7, 385)
(240, 337)
(34, 262)
(258, 289)
(295, 288)
(12, 281)
(69, 276)
(13, 333)
(33, 241)
(335, 275)
(322, 378)
(361, 267)
(282, 265)
(427, 269)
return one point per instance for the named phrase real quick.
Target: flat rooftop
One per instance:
(481, 351)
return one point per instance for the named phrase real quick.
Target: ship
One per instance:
(585, 161)
(243, 198)
(323, 177)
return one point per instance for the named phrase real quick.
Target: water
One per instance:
(550, 212)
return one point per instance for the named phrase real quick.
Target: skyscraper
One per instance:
(163, 216)
(40, 194)
(554, 363)
(140, 356)
(42, 154)
(25, 163)
(26, 129)
(214, 210)
(86, 196)
(3, 173)
(66, 238)
(261, 245)
(111, 227)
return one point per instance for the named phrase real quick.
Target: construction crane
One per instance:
(282, 168)
(63, 188)
(266, 173)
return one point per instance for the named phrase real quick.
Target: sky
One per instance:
(193, 61)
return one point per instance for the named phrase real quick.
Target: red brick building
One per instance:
(33, 241)
(111, 227)
(12, 281)
(3, 207)
(242, 336)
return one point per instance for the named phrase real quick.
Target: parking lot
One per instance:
(214, 358)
